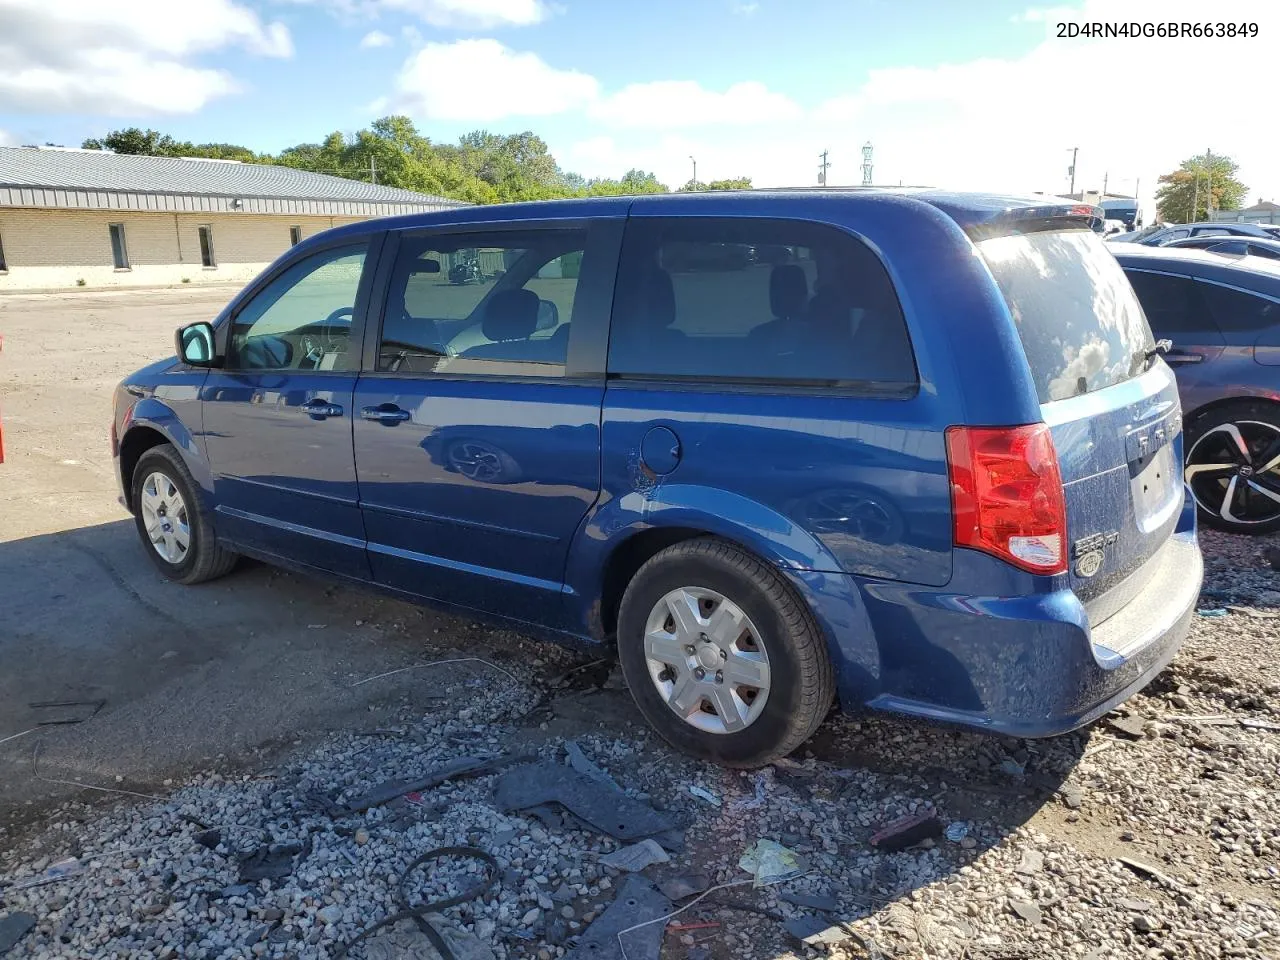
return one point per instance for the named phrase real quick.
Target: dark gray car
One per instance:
(1230, 246)
(1222, 315)
(1213, 228)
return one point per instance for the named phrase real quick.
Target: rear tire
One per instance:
(739, 608)
(1233, 466)
(173, 521)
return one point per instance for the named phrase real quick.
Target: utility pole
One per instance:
(373, 169)
(1208, 172)
(1195, 199)
(1105, 178)
(695, 170)
(1072, 172)
(866, 164)
(822, 169)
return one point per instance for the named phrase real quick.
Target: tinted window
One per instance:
(1211, 232)
(302, 319)
(1080, 323)
(1173, 306)
(756, 300)
(1258, 250)
(1172, 235)
(505, 299)
(1235, 310)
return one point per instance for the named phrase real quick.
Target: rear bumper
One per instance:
(1029, 665)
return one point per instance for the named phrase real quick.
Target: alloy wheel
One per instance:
(1233, 471)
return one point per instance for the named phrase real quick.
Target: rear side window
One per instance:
(1173, 305)
(1077, 316)
(754, 300)
(1237, 311)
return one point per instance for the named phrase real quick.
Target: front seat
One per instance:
(788, 301)
(510, 317)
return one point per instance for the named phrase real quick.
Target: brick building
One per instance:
(96, 219)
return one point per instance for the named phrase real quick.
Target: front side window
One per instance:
(1079, 322)
(206, 246)
(496, 304)
(756, 300)
(1254, 250)
(1236, 311)
(119, 252)
(302, 319)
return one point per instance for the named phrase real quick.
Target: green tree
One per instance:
(737, 183)
(1200, 184)
(132, 140)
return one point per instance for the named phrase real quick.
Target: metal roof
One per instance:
(95, 179)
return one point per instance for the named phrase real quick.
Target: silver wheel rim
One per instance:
(1233, 471)
(706, 660)
(164, 515)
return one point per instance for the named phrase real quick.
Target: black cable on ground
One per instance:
(418, 913)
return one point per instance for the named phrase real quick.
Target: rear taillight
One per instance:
(1006, 495)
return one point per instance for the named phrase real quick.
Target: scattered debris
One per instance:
(1137, 906)
(685, 885)
(811, 901)
(61, 870)
(1254, 612)
(1213, 612)
(1032, 863)
(769, 862)
(602, 808)
(704, 794)
(209, 839)
(1027, 910)
(1146, 869)
(1259, 725)
(629, 929)
(13, 927)
(272, 861)
(459, 767)
(957, 831)
(703, 925)
(906, 832)
(750, 803)
(814, 931)
(1132, 726)
(1072, 795)
(580, 762)
(87, 710)
(636, 857)
(1012, 768)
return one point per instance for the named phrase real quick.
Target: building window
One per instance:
(206, 246)
(119, 252)
(4, 266)
(295, 236)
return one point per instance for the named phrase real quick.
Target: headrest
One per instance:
(788, 290)
(659, 298)
(511, 315)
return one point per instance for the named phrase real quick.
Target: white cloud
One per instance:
(120, 57)
(374, 39)
(668, 104)
(7, 139)
(482, 81)
(449, 14)
(745, 9)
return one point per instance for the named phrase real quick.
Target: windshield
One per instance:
(1080, 323)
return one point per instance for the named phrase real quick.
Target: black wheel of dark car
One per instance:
(722, 657)
(1233, 466)
(172, 519)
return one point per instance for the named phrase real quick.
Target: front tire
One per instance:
(1233, 466)
(172, 520)
(722, 656)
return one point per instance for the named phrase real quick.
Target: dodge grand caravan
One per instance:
(917, 451)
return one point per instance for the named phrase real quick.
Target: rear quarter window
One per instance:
(1081, 325)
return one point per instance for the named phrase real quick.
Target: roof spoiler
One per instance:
(1037, 219)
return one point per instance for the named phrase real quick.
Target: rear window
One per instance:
(1081, 326)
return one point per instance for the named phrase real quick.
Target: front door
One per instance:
(477, 435)
(277, 415)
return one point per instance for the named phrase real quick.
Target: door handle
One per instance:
(1174, 357)
(387, 413)
(319, 409)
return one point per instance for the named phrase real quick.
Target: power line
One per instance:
(822, 169)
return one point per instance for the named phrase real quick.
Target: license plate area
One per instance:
(1154, 477)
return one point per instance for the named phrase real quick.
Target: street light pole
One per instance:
(695, 170)
(1072, 171)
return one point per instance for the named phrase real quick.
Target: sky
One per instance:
(958, 95)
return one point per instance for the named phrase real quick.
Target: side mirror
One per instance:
(548, 315)
(195, 344)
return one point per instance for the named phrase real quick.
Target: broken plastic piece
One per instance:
(580, 762)
(814, 931)
(636, 857)
(704, 794)
(459, 767)
(957, 831)
(61, 870)
(638, 901)
(906, 832)
(751, 803)
(1213, 612)
(13, 927)
(769, 862)
(600, 807)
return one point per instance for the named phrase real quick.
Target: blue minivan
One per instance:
(916, 451)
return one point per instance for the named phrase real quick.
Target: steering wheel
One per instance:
(315, 352)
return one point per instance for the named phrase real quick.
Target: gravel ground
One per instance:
(1042, 829)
